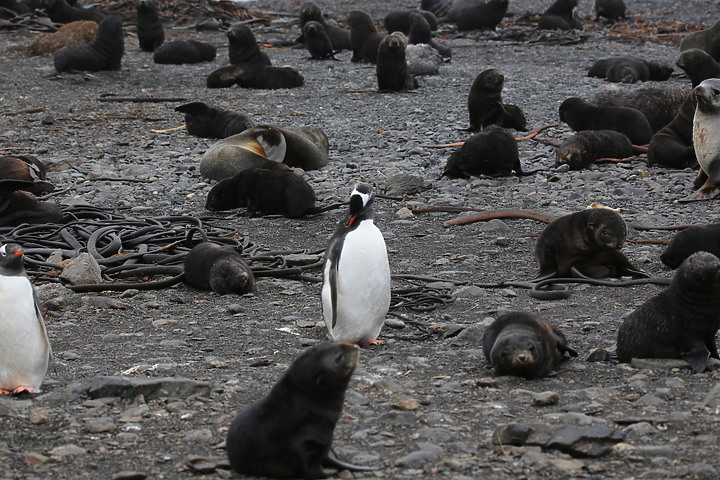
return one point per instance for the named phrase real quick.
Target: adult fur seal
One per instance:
(613, 10)
(255, 75)
(399, 20)
(288, 432)
(243, 47)
(707, 40)
(559, 16)
(658, 104)
(60, 11)
(271, 192)
(521, 344)
(583, 148)
(364, 37)
(73, 33)
(103, 53)
(582, 115)
(706, 139)
(482, 16)
(420, 32)
(150, 32)
(485, 105)
(391, 66)
(679, 322)
(25, 168)
(339, 37)
(219, 268)
(701, 238)
(179, 52)
(582, 241)
(207, 121)
(629, 69)
(317, 42)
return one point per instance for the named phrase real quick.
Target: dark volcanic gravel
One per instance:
(424, 403)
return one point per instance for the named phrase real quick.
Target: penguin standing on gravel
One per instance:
(24, 344)
(356, 275)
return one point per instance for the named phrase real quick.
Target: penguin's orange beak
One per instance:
(19, 252)
(352, 220)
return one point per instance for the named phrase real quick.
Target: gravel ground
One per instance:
(423, 404)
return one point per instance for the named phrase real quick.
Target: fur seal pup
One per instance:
(658, 104)
(707, 40)
(317, 42)
(485, 105)
(559, 16)
(698, 66)
(629, 69)
(582, 241)
(24, 344)
(583, 148)
(706, 139)
(288, 432)
(18, 206)
(356, 274)
(524, 345)
(25, 168)
(255, 75)
(150, 31)
(103, 53)
(73, 33)
(482, 16)
(701, 238)
(613, 10)
(679, 322)
(220, 268)
(179, 52)
(420, 32)
(399, 20)
(271, 192)
(582, 115)
(364, 37)
(339, 37)
(243, 47)
(207, 121)
(391, 66)
(60, 11)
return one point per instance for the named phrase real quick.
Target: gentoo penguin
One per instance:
(24, 344)
(706, 139)
(356, 275)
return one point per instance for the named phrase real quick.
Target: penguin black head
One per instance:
(11, 260)
(361, 200)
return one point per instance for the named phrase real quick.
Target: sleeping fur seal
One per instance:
(701, 238)
(24, 168)
(18, 206)
(658, 104)
(243, 47)
(364, 37)
(582, 115)
(150, 32)
(559, 16)
(583, 148)
(255, 75)
(521, 344)
(103, 53)
(179, 52)
(485, 105)
(219, 268)
(679, 322)
(629, 69)
(207, 121)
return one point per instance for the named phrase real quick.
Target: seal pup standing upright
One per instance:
(485, 105)
(103, 53)
(243, 47)
(706, 139)
(24, 344)
(391, 66)
(356, 274)
(150, 31)
(420, 32)
(339, 37)
(317, 42)
(679, 322)
(364, 37)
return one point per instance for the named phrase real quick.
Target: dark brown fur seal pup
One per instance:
(628, 69)
(25, 168)
(560, 16)
(271, 192)
(679, 322)
(521, 344)
(582, 115)
(658, 104)
(702, 238)
(60, 11)
(420, 32)
(19, 207)
(103, 53)
(73, 33)
(485, 103)
(482, 16)
(219, 268)
(243, 47)
(583, 148)
(613, 10)
(288, 432)
(399, 20)
(706, 139)
(179, 52)
(207, 121)
(391, 66)
(364, 37)
(339, 37)
(317, 42)
(707, 40)
(150, 32)
(255, 75)
(698, 66)
(582, 240)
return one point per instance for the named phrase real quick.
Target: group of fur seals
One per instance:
(485, 105)
(179, 52)
(701, 238)
(679, 322)
(255, 75)
(559, 16)
(583, 148)
(103, 53)
(524, 345)
(60, 11)
(243, 47)
(482, 15)
(706, 139)
(658, 104)
(288, 432)
(150, 31)
(582, 115)
(356, 274)
(73, 33)
(207, 121)
(391, 66)
(339, 37)
(219, 268)
(613, 10)
(629, 69)
(364, 37)
(707, 40)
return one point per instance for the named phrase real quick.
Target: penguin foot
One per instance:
(375, 342)
(704, 193)
(23, 389)
(4, 391)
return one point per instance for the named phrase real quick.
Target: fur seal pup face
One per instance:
(207, 121)
(701, 238)
(364, 37)
(219, 268)
(103, 53)
(243, 47)
(521, 344)
(316, 41)
(679, 322)
(289, 431)
(585, 147)
(391, 65)
(150, 31)
(697, 65)
(492, 152)
(179, 52)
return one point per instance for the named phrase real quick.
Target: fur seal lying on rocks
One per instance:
(701, 238)
(255, 75)
(482, 16)
(399, 20)
(17, 206)
(73, 33)
(582, 115)
(485, 105)
(317, 42)
(364, 37)
(288, 432)
(219, 268)
(207, 121)
(629, 69)
(61, 11)
(179, 52)
(679, 322)
(521, 344)
(559, 16)
(658, 104)
(583, 148)
(707, 40)
(103, 53)
(391, 66)
(339, 37)
(243, 47)
(150, 32)
(706, 139)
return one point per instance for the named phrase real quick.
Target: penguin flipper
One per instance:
(333, 256)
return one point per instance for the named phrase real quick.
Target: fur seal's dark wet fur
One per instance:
(701, 238)
(613, 10)
(559, 16)
(339, 37)
(391, 66)
(103, 53)
(24, 168)
(582, 241)
(582, 115)
(628, 69)
(60, 11)
(288, 432)
(521, 344)
(243, 47)
(679, 322)
(254, 75)
(179, 52)
(19, 206)
(317, 42)
(658, 104)
(585, 147)
(207, 121)
(219, 268)
(364, 37)
(707, 40)
(399, 20)
(482, 16)
(271, 192)
(150, 31)
(485, 105)
(420, 32)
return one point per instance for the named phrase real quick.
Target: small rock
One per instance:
(496, 225)
(235, 308)
(200, 435)
(511, 434)
(407, 404)
(394, 323)
(150, 388)
(67, 450)
(99, 425)
(598, 355)
(404, 213)
(35, 459)
(546, 398)
(82, 270)
(469, 291)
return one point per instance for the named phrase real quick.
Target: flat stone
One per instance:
(35, 459)
(150, 388)
(546, 398)
(100, 425)
(67, 450)
(511, 434)
(469, 291)
(82, 270)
